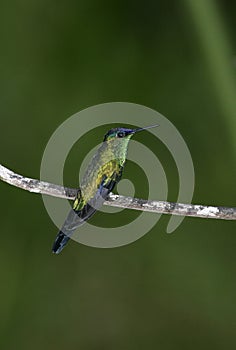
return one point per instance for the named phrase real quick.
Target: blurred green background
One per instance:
(164, 291)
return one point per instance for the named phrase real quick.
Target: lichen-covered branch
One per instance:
(161, 207)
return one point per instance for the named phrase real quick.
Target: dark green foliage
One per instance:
(164, 291)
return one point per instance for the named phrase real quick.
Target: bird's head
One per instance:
(124, 133)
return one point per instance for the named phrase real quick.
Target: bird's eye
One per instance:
(121, 134)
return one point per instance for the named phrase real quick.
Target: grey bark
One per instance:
(161, 207)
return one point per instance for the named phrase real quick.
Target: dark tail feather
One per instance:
(60, 242)
(78, 218)
(73, 221)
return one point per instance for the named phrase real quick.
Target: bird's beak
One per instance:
(147, 127)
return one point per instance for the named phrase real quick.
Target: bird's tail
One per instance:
(73, 221)
(60, 242)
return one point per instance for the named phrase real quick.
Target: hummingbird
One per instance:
(102, 174)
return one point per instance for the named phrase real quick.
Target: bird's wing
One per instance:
(81, 212)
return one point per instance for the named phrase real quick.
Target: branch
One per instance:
(161, 207)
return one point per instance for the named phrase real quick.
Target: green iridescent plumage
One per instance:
(102, 174)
